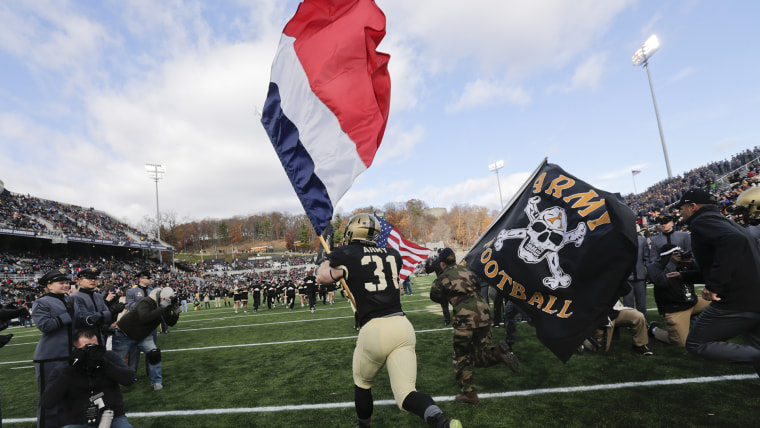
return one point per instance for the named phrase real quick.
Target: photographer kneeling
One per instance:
(89, 386)
(676, 299)
(136, 326)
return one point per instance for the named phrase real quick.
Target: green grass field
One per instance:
(279, 368)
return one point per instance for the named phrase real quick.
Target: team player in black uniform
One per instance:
(386, 336)
(271, 296)
(257, 296)
(311, 289)
(290, 295)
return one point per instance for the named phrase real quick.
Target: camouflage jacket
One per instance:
(460, 286)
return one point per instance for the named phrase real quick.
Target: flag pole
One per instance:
(506, 208)
(342, 280)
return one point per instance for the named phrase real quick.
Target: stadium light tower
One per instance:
(495, 167)
(156, 172)
(641, 56)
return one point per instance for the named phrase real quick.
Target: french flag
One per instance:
(328, 100)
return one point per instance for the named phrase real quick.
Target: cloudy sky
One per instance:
(91, 91)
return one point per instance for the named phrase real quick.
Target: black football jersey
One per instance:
(371, 274)
(310, 282)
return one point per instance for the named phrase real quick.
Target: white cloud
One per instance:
(589, 73)
(189, 103)
(509, 38)
(398, 144)
(483, 93)
(407, 80)
(477, 191)
(48, 35)
(683, 74)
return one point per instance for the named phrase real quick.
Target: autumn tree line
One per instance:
(459, 227)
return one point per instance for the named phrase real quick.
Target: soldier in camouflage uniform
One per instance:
(472, 325)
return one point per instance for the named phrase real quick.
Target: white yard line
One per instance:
(530, 392)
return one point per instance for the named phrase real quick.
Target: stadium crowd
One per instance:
(25, 212)
(726, 178)
(216, 282)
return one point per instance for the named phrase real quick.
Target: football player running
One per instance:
(386, 336)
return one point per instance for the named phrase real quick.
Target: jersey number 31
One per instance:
(385, 270)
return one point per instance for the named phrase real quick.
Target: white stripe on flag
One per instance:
(336, 161)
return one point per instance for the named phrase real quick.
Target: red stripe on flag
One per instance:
(411, 253)
(336, 43)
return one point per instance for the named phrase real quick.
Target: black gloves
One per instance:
(116, 308)
(94, 319)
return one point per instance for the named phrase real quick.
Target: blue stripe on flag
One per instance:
(296, 160)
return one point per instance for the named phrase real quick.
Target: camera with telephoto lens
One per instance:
(89, 357)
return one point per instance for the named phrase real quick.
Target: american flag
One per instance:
(636, 171)
(412, 253)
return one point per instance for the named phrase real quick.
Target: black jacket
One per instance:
(144, 317)
(670, 296)
(72, 387)
(728, 259)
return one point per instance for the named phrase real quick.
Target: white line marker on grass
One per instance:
(563, 390)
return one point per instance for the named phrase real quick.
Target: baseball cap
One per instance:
(697, 196)
(446, 252)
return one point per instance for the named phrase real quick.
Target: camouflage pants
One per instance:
(472, 348)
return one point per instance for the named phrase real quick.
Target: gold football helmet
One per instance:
(750, 200)
(362, 228)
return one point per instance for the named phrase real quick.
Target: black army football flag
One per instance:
(561, 250)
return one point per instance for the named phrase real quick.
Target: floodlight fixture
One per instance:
(641, 56)
(156, 172)
(647, 49)
(495, 167)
